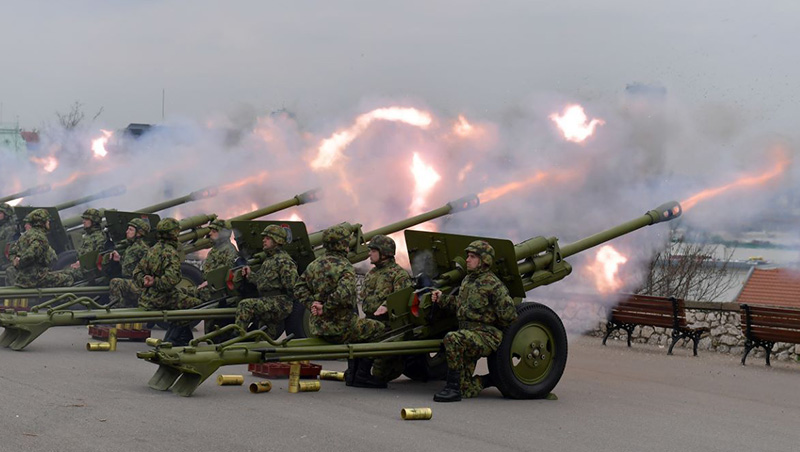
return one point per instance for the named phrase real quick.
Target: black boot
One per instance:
(486, 381)
(350, 373)
(452, 390)
(364, 377)
(183, 336)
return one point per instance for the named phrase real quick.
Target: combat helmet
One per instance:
(141, 225)
(483, 250)
(7, 209)
(384, 244)
(38, 218)
(336, 238)
(94, 215)
(168, 228)
(217, 225)
(276, 233)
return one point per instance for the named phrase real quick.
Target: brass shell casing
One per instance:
(98, 346)
(152, 341)
(230, 380)
(331, 375)
(309, 386)
(410, 414)
(261, 386)
(294, 376)
(112, 339)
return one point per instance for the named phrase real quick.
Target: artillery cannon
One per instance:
(528, 364)
(44, 188)
(22, 328)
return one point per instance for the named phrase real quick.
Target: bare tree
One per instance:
(689, 271)
(73, 118)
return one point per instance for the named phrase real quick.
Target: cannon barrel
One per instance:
(116, 190)
(459, 205)
(199, 234)
(44, 188)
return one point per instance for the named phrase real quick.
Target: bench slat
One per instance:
(774, 310)
(645, 319)
(776, 322)
(776, 335)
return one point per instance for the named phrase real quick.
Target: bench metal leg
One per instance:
(675, 337)
(748, 345)
(610, 327)
(751, 344)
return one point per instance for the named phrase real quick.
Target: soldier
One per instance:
(385, 278)
(33, 255)
(223, 253)
(124, 289)
(275, 280)
(483, 307)
(93, 239)
(159, 273)
(328, 289)
(7, 227)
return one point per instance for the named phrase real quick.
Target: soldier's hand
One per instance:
(316, 308)
(435, 296)
(204, 284)
(75, 265)
(245, 271)
(381, 311)
(148, 281)
(115, 256)
(16, 261)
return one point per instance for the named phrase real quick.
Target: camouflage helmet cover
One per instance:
(385, 245)
(276, 233)
(38, 217)
(141, 225)
(93, 215)
(6, 209)
(168, 227)
(217, 225)
(483, 250)
(336, 238)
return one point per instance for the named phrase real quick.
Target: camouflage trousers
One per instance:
(267, 311)
(124, 292)
(175, 300)
(29, 280)
(387, 368)
(463, 348)
(362, 330)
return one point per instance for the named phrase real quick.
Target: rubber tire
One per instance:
(65, 259)
(297, 322)
(425, 367)
(500, 362)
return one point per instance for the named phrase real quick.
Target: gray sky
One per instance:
(324, 58)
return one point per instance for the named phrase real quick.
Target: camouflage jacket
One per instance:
(277, 274)
(35, 256)
(93, 240)
(7, 230)
(331, 280)
(482, 303)
(222, 255)
(164, 264)
(387, 277)
(131, 256)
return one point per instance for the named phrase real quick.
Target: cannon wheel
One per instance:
(425, 367)
(65, 259)
(298, 322)
(532, 356)
(191, 276)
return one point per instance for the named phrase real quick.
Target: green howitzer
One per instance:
(299, 249)
(116, 190)
(528, 363)
(44, 188)
(199, 235)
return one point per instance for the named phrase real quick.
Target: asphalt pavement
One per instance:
(56, 396)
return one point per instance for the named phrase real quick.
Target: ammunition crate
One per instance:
(135, 332)
(281, 370)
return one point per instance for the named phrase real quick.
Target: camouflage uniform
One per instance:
(163, 263)
(35, 256)
(223, 254)
(7, 232)
(275, 280)
(93, 240)
(331, 280)
(124, 289)
(483, 308)
(384, 279)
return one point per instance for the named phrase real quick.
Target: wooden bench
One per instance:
(763, 326)
(653, 311)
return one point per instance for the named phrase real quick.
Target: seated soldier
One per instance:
(124, 289)
(33, 255)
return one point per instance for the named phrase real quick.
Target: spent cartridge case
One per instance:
(98, 346)
(230, 380)
(112, 339)
(309, 386)
(261, 386)
(294, 376)
(152, 341)
(331, 375)
(411, 414)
